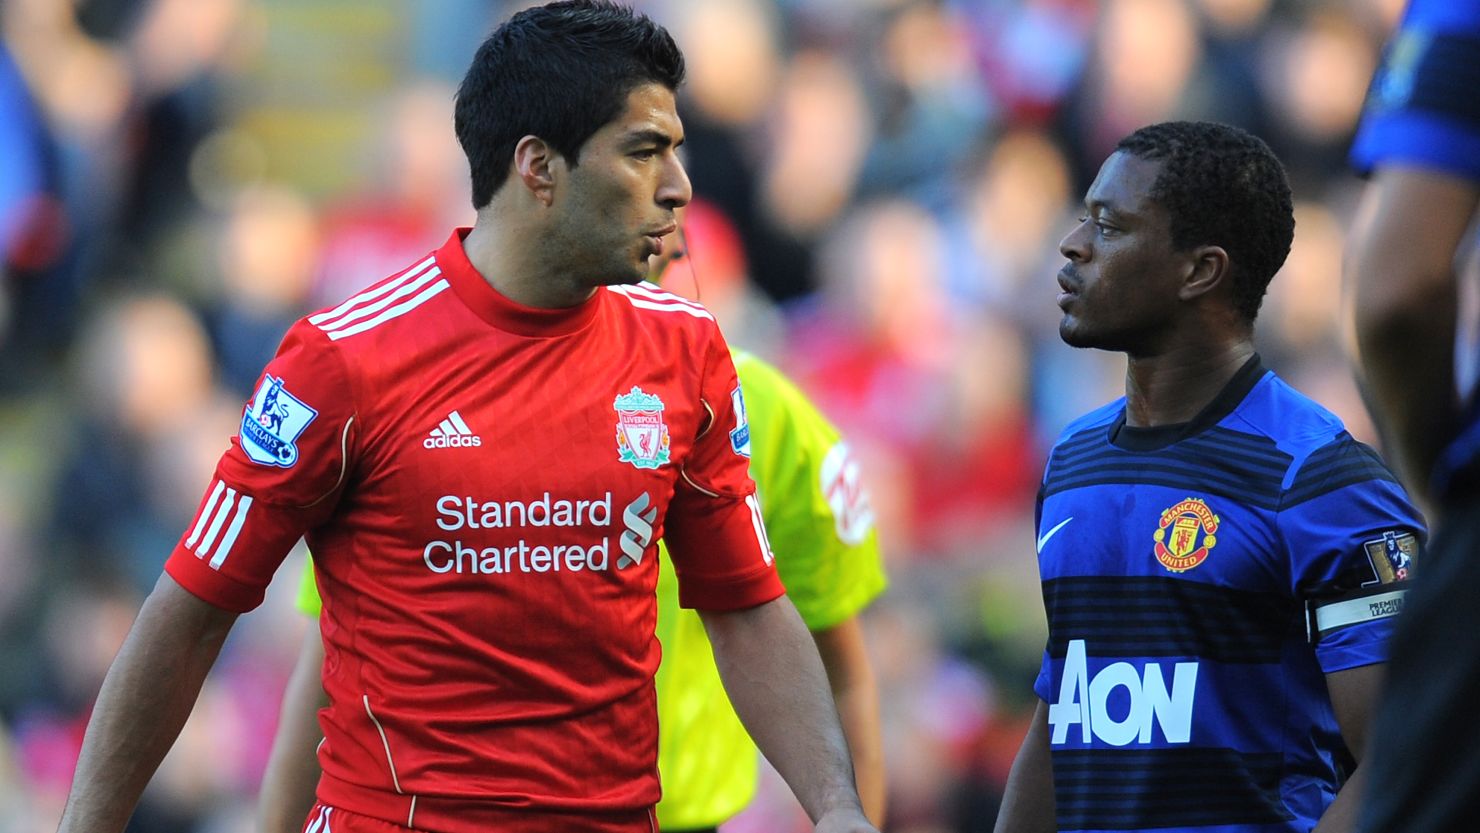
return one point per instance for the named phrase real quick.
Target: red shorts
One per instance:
(326, 819)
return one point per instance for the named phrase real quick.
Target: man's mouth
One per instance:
(655, 238)
(1068, 285)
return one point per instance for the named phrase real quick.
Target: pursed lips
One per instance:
(655, 238)
(1069, 286)
(1068, 280)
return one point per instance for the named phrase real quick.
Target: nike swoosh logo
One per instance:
(1043, 539)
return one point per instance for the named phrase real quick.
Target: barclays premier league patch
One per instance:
(272, 424)
(1391, 556)
(740, 434)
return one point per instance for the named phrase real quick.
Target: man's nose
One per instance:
(675, 190)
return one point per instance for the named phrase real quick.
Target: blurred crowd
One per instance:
(882, 185)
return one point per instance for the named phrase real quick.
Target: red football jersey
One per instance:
(482, 485)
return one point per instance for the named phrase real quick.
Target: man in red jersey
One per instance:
(482, 452)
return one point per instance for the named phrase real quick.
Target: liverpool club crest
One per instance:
(642, 436)
(1184, 535)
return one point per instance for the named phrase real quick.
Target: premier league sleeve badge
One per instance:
(273, 421)
(1391, 556)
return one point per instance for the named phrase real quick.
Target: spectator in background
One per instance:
(266, 258)
(32, 233)
(419, 187)
(887, 351)
(1420, 142)
(148, 408)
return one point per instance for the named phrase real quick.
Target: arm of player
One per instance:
(288, 783)
(775, 680)
(1027, 803)
(856, 693)
(145, 700)
(1354, 695)
(1401, 265)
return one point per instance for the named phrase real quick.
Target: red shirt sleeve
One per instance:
(714, 531)
(281, 476)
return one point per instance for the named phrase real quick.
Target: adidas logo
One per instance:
(452, 433)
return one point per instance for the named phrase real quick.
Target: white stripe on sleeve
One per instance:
(216, 521)
(760, 528)
(224, 549)
(204, 514)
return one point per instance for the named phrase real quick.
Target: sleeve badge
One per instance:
(1392, 555)
(273, 421)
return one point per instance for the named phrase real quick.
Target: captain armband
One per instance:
(1325, 616)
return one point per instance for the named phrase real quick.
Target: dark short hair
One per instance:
(1222, 186)
(559, 72)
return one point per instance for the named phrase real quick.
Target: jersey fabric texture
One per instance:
(813, 503)
(1424, 777)
(482, 486)
(1186, 570)
(1422, 111)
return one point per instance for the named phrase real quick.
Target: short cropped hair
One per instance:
(1222, 186)
(559, 72)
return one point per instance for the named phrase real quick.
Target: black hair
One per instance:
(1222, 186)
(559, 72)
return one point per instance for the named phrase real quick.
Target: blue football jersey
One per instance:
(1200, 580)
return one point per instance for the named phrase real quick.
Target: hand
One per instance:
(850, 820)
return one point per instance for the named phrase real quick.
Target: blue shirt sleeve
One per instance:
(1421, 109)
(1349, 529)
(1043, 683)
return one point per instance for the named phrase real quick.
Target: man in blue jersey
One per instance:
(1221, 561)
(1420, 142)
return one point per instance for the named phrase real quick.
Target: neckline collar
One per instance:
(1131, 438)
(493, 307)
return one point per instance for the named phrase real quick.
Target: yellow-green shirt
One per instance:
(821, 528)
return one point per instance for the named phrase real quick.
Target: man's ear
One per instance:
(1208, 268)
(534, 161)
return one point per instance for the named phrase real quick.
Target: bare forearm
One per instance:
(145, 700)
(1354, 694)
(776, 683)
(293, 767)
(1341, 816)
(1028, 803)
(1402, 268)
(1408, 369)
(856, 693)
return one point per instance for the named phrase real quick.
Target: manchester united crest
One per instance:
(642, 436)
(1184, 535)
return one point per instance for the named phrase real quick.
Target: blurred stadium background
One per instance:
(886, 183)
